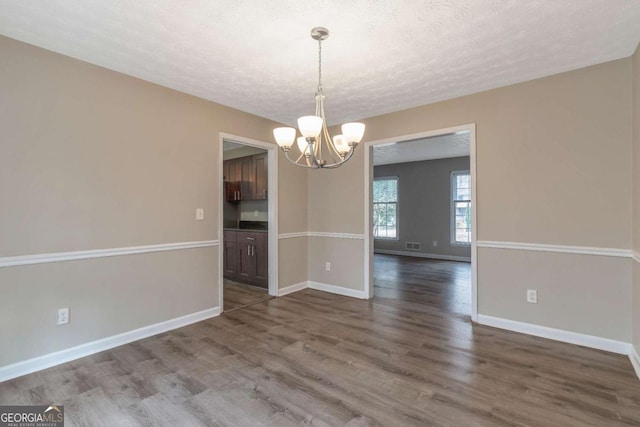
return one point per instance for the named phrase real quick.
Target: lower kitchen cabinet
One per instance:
(246, 257)
(230, 256)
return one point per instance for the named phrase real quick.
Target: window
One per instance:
(461, 207)
(385, 208)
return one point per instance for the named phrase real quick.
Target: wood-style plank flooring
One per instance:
(237, 295)
(408, 357)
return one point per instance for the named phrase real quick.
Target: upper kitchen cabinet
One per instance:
(260, 177)
(246, 178)
(232, 170)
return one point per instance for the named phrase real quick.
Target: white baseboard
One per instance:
(423, 255)
(63, 356)
(584, 340)
(635, 360)
(339, 290)
(292, 288)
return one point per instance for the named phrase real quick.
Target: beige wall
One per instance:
(636, 196)
(292, 262)
(588, 294)
(107, 296)
(94, 159)
(292, 218)
(552, 168)
(346, 257)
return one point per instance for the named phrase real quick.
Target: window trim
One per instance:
(452, 202)
(397, 202)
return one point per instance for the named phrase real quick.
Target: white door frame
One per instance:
(272, 203)
(368, 184)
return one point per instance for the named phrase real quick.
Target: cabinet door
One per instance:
(230, 255)
(261, 256)
(232, 170)
(246, 259)
(247, 187)
(260, 162)
(232, 191)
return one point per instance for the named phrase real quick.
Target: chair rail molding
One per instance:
(321, 234)
(13, 261)
(541, 247)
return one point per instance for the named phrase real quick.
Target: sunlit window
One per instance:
(385, 208)
(461, 207)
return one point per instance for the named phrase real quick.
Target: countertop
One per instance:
(246, 229)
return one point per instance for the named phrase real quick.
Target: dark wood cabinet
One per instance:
(261, 259)
(230, 256)
(246, 185)
(232, 170)
(246, 178)
(246, 257)
(260, 176)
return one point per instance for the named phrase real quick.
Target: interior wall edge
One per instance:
(293, 288)
(635, 359)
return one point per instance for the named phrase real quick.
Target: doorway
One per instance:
(247, 222)
(422, 247)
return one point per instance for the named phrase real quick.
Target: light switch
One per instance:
(199, 214)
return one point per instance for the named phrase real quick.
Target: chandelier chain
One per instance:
(319, 65)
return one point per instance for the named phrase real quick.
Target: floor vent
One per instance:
(413, 246)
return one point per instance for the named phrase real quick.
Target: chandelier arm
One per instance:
(325, 130)
(337, 164)
(332, 146)
(296, 162)
(314, 159)
(318, 147)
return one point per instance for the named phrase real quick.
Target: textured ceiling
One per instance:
(435, 147)
(382, 55)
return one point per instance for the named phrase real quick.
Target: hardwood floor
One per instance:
(408, 357)
(439, 285)
(238, 295)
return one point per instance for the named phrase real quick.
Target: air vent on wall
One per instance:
(414, 246)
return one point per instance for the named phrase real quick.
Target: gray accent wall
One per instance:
(424, 211)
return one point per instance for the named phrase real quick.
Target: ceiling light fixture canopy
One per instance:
(317, 148)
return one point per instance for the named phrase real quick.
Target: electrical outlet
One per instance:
(63, 316)
(435, 243)
(255, 213)
(199, 214)
(532, 296)
(327, 266)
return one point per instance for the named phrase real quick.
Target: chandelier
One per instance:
(317, 148)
